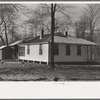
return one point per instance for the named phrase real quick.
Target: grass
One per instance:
(13, 71)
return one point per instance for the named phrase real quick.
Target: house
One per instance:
(14, 47)
(10, 51)
(5, 52)
(66, 49)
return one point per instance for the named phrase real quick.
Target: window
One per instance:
(56, 49)
(40, 49)
(21, 50)
(78, 50)
(67, 49)
(28, 49)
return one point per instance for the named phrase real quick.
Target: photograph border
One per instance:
(50, 90)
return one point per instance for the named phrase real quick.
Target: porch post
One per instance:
(91, 53)
(87, 54)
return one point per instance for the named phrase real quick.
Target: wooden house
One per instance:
(10, 51)
(66, 49)
(5, 52)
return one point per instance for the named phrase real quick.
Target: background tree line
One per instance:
(10, 16)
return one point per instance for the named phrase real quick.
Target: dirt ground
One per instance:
(14, 71)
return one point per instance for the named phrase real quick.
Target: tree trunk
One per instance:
(6, 33)
(91, 39)
(52, 35)
(91, 53)
(2, 40)
(83, 33)
(91, 35)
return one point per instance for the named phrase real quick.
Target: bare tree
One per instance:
(40, 17)
(81, 27)
(64, 24)
(92, 12)
(54, 9)
(8, 14)
(88, 22)
(45, 17)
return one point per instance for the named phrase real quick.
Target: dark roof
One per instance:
(45, 38)
(16, 43)
(12, 44)
(37, 39)
(58, 38)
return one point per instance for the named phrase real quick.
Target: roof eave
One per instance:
(34, 43)
(58, 43)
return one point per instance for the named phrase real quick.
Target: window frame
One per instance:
(21, 50)
(68, 50)
(79, 51)
(40, 49)
(56, 49)
(28, 49)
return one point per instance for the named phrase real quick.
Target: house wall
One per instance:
(7, 53)
(34, 53)
(62, 57)
(0, 54)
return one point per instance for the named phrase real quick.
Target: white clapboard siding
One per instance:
(34, 53)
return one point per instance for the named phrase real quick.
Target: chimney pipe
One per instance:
(66, 34)
(42, 33)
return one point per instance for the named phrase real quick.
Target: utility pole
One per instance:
(53, 6)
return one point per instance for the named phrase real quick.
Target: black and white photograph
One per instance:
(50, 42)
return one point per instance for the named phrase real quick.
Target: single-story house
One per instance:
(10, 51)
(5, 52)
(14, 47)
(66, 49)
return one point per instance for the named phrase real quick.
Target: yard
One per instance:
(13, 71)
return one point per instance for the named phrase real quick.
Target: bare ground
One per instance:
(13, 71)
